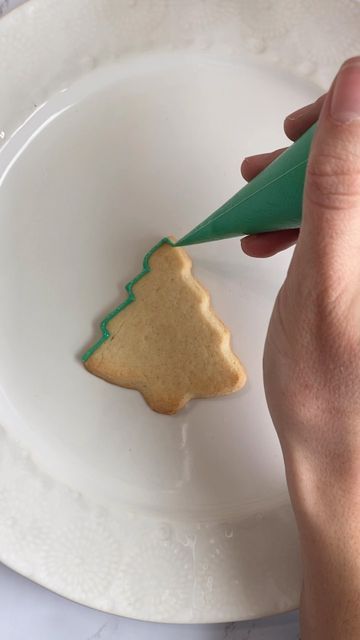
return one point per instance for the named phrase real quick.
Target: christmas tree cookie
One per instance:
(165, 339)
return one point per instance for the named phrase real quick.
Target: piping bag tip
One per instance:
(189, 238)
(200, 236)
(270, 202)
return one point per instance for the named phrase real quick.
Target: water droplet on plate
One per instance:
(306, 68)
(164, 532)
(88, 63)
(273, 57)
(256, 45)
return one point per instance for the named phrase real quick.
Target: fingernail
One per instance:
(345, 99)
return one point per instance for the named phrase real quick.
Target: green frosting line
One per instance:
(131, 298)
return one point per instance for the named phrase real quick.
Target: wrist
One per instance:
(327, 509)
(323, 486)
(326, 503)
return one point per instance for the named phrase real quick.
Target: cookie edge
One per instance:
(130, 298)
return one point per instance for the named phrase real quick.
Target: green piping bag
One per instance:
(269, 202)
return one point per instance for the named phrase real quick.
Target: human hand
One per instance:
(264, 245)
(312, 359)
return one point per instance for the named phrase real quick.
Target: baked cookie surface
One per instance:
(165, 339)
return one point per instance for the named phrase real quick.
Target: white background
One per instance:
(31, 612)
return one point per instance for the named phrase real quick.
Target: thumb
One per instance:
(330, 233)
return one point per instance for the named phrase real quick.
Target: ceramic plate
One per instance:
(122, 122)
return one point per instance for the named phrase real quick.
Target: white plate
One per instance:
(180, 518)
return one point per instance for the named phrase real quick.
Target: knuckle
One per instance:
(330, 292)
(333, 181)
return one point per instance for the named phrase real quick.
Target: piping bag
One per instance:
(270, 202)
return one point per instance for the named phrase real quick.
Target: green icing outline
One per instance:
(131, 298)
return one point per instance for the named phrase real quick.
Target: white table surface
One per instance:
(32, 612)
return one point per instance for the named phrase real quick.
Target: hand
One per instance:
(264, 245)
(312, 359)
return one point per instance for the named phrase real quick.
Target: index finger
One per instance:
(295, 125)
(299, 121)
